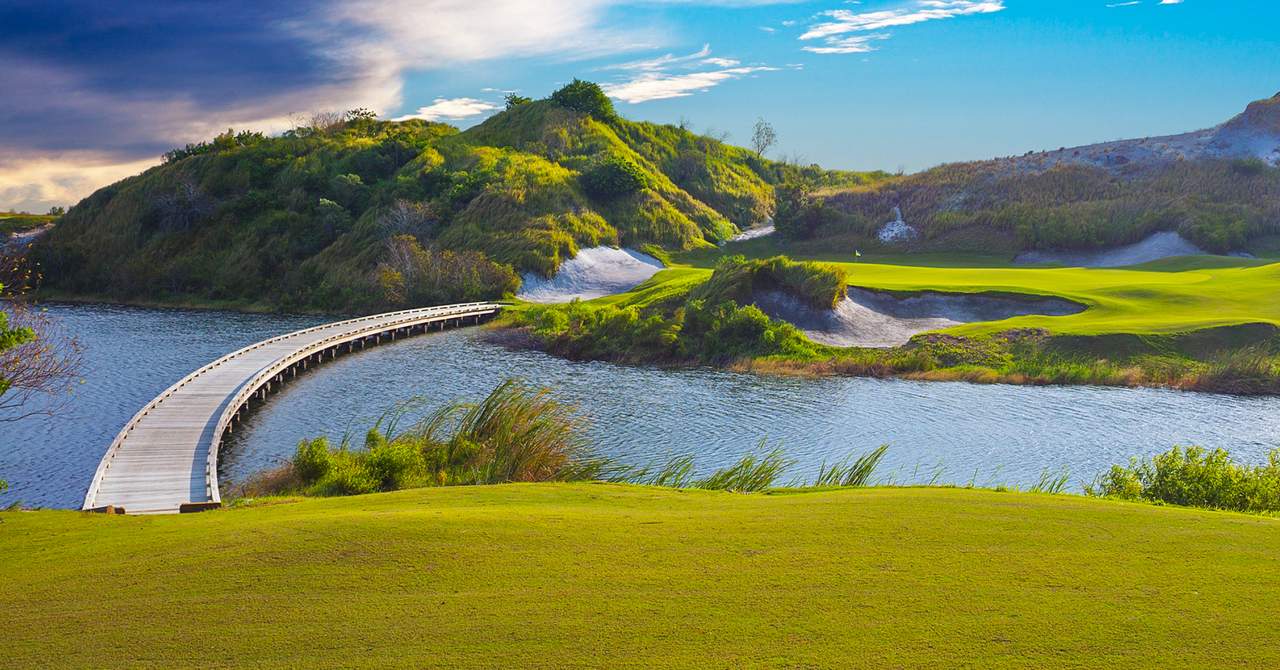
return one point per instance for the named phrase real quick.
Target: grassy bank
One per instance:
(1203, 323)
(576, 575)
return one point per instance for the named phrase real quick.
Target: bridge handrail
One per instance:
(284, 362)
(92, 492)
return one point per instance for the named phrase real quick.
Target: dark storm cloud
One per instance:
(123, 77)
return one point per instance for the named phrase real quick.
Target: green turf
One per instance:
(594, 575)
(1175, 295)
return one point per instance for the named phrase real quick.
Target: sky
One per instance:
(92, 91)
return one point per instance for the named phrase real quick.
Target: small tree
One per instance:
(514, 100)
(586, 97)
(36, 357)
(763, 137)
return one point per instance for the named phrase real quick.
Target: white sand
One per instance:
(897, 230)
(1160, 245)
(879, 320)
(593, 273)
(754, 233)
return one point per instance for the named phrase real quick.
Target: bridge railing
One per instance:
(90, 498)
(282, 364)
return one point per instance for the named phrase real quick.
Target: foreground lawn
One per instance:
(606, 575)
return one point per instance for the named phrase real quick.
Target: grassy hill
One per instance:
(1219, 188)
(357, 214)
(590, 575)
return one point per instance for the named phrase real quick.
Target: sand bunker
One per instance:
(593, 273)
(1160, 245)
(753, 233)
(872, 319)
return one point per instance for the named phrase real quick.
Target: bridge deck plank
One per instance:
(161, 461)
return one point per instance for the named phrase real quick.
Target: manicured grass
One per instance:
(1176, 295)
(592, 575)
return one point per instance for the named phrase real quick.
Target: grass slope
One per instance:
(1178, 295)
(606, 575)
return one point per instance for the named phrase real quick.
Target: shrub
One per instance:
(312, 460)
(612, 177)
(515, 434)
(586, 97)
(1195, 477)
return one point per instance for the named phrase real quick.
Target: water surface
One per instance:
(991, 434)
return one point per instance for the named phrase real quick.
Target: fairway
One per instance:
(1172, 296)
(592, 575)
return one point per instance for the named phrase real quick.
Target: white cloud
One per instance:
(1171, 2)
(451, 109)
(837, 24)
(660, 85)
(664, 61)
(1124, 4)
(36, 183)
(853, 44)
(721, 62)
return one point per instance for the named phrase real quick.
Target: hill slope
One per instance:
(552, 575)
(361, 214)
(1218, 188)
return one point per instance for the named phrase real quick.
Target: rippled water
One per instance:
(1004, 434)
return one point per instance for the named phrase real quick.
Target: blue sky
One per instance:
(95, 91)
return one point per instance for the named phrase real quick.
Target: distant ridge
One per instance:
(1254, 133)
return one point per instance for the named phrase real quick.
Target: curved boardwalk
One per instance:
(166, 458)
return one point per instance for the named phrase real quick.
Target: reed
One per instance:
(851, 471)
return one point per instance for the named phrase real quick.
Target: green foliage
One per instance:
(751, 474)
(613, 176)
(412, 275)
(735, 278)
(586, 97)
(11, 337)
(989, 207)
(713, 322)
(1195, 477)
(851, 471)
(515, 434)
(514, 100)
(303, 221)
(227, 141)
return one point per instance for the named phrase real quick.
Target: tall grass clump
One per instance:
(752, 473)
(515, 434)
(1195, 477)
(851, 471)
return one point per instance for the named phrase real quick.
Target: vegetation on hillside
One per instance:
(1220, 205)
(315, 218)
(709, 322)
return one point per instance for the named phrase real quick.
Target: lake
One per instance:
(987, 434)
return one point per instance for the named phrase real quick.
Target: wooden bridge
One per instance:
(166, 458)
